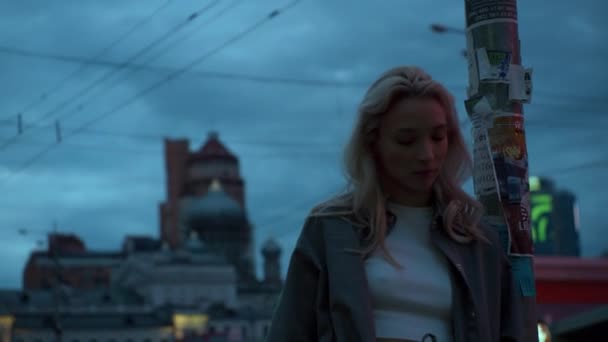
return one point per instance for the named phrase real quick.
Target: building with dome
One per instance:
(190, 174)
(222, 225)
(200, 268)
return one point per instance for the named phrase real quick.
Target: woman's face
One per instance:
(412, 144)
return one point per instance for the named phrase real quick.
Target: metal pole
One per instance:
(498, 87)
(56, 292)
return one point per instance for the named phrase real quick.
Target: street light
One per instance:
(442, 29)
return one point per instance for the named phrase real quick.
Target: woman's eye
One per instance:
(439, 138)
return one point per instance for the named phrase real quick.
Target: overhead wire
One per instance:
(150, 59)
(125, 64)
(156, 85)
(313, 82)
(85, 64)
(142, 51)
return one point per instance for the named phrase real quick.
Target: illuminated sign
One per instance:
(541, 206)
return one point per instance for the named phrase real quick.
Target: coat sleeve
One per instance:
(518, 313)
(295, 315)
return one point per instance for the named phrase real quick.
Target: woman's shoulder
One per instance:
(494, 243)
(328, 215)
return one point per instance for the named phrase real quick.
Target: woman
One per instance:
(401, 256)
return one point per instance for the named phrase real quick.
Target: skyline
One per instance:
(274, 99)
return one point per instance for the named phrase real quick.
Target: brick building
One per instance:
(69, 262)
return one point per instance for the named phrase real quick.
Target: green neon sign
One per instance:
(541, 208)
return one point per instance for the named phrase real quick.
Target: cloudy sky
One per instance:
(282, 95)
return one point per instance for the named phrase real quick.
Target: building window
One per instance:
(265, 330)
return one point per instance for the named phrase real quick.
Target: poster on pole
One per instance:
(507, 142)
(484, 177)
(484, 12)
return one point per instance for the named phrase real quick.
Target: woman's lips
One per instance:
(426, 173)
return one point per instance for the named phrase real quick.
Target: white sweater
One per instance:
(417, 299)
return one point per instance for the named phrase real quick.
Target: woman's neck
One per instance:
(410, 198)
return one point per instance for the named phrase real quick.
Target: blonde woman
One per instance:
(401, 256)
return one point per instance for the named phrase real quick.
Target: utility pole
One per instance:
(498, 87)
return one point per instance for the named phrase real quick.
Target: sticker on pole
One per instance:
(484, 177)
(484, 12)
(520, 85)
(509, 155)
(493, 65)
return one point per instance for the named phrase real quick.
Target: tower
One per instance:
(271, 251)
(190, 174)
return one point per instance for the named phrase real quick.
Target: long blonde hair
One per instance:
(364, 202)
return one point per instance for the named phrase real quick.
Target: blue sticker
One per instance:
(523, 272)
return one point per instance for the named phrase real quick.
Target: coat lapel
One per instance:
(350, 301)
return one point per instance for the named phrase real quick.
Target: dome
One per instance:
(194, 244)
(216, 207)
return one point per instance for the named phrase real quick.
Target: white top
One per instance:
(417, 299)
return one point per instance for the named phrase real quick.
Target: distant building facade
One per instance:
(555, 219)
(200, 269)
(68, 261)
(84, 315)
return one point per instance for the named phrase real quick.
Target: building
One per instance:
(85, 315)
(572, 297)
(200, 269)
(68, 261)
(555, 219)
(189, 277)
(190, 173)
(205, 192)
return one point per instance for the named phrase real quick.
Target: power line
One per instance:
(173, 30)
(120, 67)
(159, 152)
(84, 65)
(596, 164)
(149, 60)
(157, 136)
(161, 136)
(273, 232)
(162, 82)
(316, 82)
(199, 73)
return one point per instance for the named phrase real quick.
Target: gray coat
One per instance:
(326, 295)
